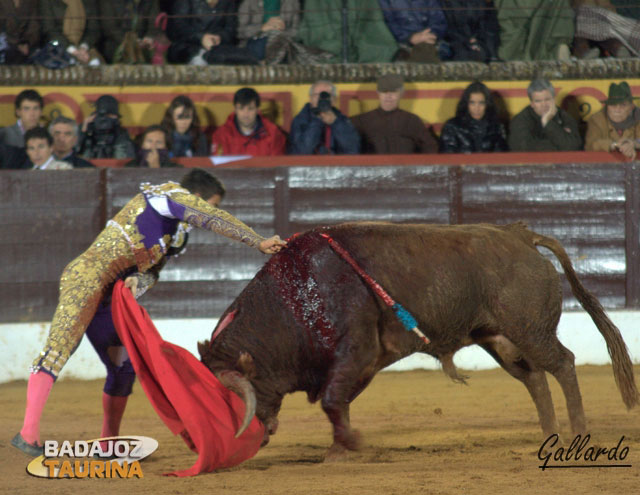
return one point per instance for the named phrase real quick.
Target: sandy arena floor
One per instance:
(422, 434)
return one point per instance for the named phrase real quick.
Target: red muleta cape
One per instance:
(185, 394)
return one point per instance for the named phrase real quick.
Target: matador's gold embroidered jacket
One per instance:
(157, 218)
(137, 238)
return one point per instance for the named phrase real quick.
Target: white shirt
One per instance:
(53, 164)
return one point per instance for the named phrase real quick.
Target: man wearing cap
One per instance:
(320, 128)
(390, 130)
(542, 126)
(617, 126)
(102, 136)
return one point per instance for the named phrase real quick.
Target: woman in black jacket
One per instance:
(476, 127)
(182, 124)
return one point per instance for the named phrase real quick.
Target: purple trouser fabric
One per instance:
(102, 334)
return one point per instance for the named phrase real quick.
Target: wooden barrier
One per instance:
(48, 218)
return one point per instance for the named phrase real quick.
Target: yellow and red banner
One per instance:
(434, 102)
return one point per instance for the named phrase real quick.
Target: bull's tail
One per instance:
(622, 366)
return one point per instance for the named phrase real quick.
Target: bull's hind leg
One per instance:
(514, 362)
(560, 362)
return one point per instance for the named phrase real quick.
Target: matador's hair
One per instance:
(199, 181)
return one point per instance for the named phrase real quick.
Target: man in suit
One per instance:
(65, 134)
(12, 158)
(28, 106)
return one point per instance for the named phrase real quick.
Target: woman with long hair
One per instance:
(476, 127)
(182, 123)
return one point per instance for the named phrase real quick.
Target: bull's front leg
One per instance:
(335, 404)
(349, 374)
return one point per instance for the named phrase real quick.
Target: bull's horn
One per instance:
(239, 384)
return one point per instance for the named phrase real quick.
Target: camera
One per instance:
(324, 103)
(102, 134)
(103, 124)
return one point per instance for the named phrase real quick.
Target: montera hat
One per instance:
(390, 82)
(619, 93)
(107, 104)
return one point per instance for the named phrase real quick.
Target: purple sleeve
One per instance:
(200, 214)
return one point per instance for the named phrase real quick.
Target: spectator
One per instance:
(369, 37)
(28, 109)
(535, 29)
(128, 30)
(617, 125)
(39, 147)
(476, 127)
(21, 29)
(473, 32)
(183, 127)
(12, 157)
(154, 150)
(65, 132)
(390, 130)
(542, 126)
(102, 135)
(74, 25)
(269, 30)
(205, 32)
(320, 128)
(417, 25)
(246, 132)
(600, 27)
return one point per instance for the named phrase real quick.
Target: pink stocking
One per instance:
(38, 389)
(113, 407)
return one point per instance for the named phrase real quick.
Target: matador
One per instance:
(133, 246)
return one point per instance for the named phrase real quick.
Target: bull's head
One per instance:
(238, 382)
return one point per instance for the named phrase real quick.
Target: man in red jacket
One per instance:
(246, 132)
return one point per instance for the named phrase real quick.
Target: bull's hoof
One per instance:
(271, 425)
(336, 453)
(353, 441)
(265, 438)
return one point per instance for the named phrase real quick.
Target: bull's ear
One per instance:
(203, 348)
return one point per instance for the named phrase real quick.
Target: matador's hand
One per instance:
(132, 284)
(272, 245)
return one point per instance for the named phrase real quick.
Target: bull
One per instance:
(308, 322)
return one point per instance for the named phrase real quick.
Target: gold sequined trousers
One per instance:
(82, 287)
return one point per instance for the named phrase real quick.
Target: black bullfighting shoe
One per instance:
(27, 448)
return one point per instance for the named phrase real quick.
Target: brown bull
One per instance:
(308, 322)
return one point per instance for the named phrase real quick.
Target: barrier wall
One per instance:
(21, 342)
(48, 218)
(434, 102)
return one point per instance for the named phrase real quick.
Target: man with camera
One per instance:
(102, 135)
(320, 128)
